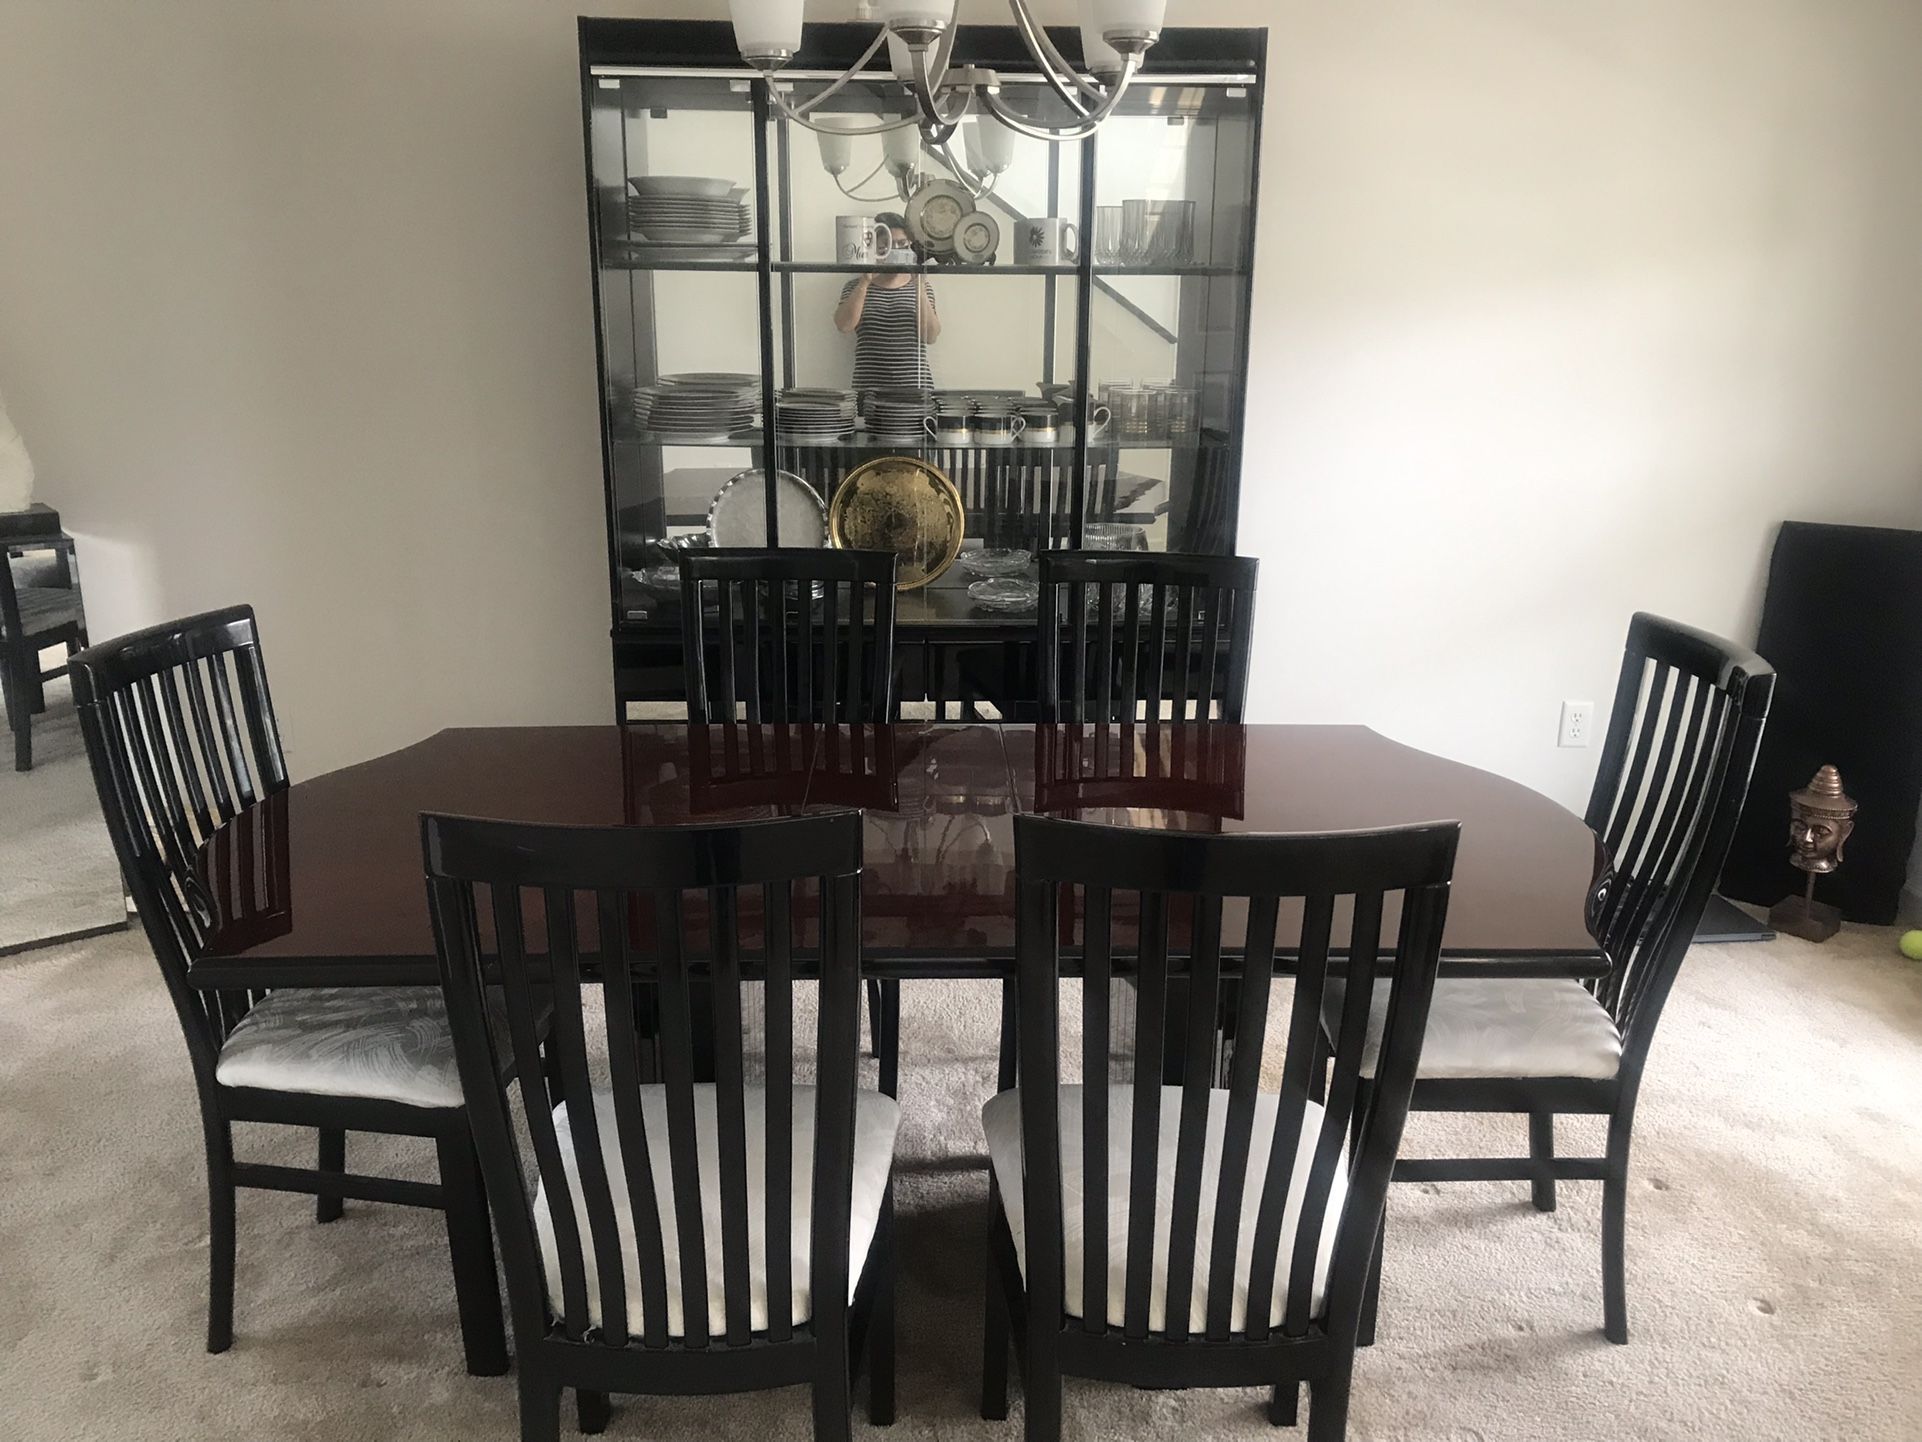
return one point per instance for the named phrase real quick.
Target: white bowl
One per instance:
(704, 185)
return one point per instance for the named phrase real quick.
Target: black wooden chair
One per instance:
(1688, 717)
(181, 735)
(663, 1234)
(40, 608)
(1274, 1196)
(796, 634)
(1121, 635)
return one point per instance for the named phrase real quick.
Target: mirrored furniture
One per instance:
(1071, 358)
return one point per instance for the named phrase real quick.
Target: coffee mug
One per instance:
(995, 430)
(947, 428)
(1048, 240)
(860, 239)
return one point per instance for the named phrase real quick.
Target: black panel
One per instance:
(1842, 624)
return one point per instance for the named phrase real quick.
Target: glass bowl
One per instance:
(988, 562)
(1004, 593)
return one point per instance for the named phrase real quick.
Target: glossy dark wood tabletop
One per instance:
(322, 884)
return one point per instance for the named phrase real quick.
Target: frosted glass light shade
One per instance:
(1097, 54)
(766, 29)
(988, 143)
(836, 150)
(903, 149)
(914, 14)
(1133, 18)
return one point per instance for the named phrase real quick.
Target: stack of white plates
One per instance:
(699, 406)
(687, 209)
(896, 416)
(814, 416)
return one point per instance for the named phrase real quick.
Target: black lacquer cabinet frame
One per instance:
(1142, 342)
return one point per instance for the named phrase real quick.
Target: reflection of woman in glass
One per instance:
(892, 317)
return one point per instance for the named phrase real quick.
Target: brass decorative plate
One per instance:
(903, 505)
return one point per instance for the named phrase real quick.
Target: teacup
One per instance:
(947, 428)
(995, 430)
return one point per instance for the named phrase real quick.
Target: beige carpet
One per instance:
(1775, 1247)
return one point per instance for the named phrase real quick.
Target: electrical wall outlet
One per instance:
(1578, 719)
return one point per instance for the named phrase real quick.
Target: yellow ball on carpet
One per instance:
(1911, 944)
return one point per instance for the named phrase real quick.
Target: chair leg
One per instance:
(888, 1039)
(995, 1324)
(333, 1158)
(874, 1017)
(220, 1234)
(592, 1411)
(1284, 1405)
(1371, 1293)
(13, 665)
(470, 1243)
(833, 1393)
(1541, 1150)
(540, 1409)
(1614, 1232)
(1041, 1387)
(1328, 1408)
(881, 1324)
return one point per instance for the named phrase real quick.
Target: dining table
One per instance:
(321, 884)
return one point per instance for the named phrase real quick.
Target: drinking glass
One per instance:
(1137, 232)
(1107, 235)
(1173, 232)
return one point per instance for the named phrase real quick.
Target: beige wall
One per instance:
(1560, 309)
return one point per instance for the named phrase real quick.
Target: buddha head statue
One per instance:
(1821, 816)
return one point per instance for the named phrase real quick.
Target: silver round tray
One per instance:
(738, 514)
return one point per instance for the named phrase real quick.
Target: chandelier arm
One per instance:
(1081, 129)
(1053, 64)
(847, 76)
(882, 128)
(975, 185)
(936, 127)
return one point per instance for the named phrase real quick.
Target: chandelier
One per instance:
(919, 34)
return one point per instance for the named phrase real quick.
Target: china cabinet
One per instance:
(1084, 307)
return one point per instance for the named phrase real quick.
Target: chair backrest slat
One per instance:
(1124, 635)
(1204, 989)
(679, 927)
(624, 1020)
(577, 1093)
(1097, 983)
(1251, 1025)
(1313, 1173)
(730, 1077)
(683, 1144)
(1682, 738)
(778, 1204)
(748, 661)
(1144, 1146)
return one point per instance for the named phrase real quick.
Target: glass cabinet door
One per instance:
(1173, 193)
(678, 269)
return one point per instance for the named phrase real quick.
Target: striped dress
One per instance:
(889, 353)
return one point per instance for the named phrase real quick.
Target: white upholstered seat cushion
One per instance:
(875, 1119)
(389, 1043)
(1491, 1026)
(1001, 1119)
